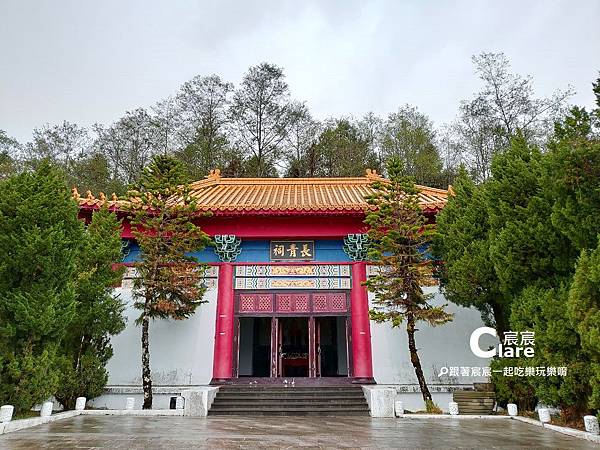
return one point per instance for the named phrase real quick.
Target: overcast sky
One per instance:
(89, 61)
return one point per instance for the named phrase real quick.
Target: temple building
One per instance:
(285, 297)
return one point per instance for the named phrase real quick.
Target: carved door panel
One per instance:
(275, 347)
(318, 347)
(311, 348)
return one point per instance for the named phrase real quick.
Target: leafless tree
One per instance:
(202, 138)
(300, 142)
(409, 135)
(505, 105)
(63, 144)
(261, 115)
(129, 144)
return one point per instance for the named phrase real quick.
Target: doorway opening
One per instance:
(254, 347)
(332, 348)
(294, 346)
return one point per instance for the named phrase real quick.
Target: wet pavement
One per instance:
(118, 432)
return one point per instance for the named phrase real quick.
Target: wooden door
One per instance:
(312, 369)
(275, 347)
(318, 347)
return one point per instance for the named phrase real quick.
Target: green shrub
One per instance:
(516, 390)
(432, 408)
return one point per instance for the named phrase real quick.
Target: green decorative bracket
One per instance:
(356, 246)
(227, 247)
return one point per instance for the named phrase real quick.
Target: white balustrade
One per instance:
(6, 413)
(80, 403)
(544, 415)
(399, 407)
(46, 410)
(591, 424)
(453, 408)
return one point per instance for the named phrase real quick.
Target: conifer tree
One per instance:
(397, 232)
(40, 235)
(169, 281)
(584, 311)
(99, 313)
(462, 241)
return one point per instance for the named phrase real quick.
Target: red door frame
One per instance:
(276, 335)
(357, 321)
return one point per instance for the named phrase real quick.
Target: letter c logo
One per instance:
(474, 342)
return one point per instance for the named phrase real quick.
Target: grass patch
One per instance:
(432, 408)
(25, 415)
(561, 422)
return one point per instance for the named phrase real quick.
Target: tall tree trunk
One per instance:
(414, 357)
(146, 379)
(499, 319)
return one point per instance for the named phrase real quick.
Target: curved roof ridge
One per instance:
(337, 195)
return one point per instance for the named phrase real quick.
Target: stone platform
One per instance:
(126, 432)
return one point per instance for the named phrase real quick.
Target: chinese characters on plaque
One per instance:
(292, 251)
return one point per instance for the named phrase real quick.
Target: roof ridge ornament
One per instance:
(214, 174)
(372, 174)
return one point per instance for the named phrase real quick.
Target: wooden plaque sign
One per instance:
(292, 251)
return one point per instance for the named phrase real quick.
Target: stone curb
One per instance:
(132, 412)
(20, 424)
(564, 430)
(448, 416)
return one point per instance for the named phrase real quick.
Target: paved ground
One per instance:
(320, 432)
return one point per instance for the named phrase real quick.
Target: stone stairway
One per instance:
(474, 402)
(290, 401)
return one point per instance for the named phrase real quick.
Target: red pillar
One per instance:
(361, 327)
(223, 354)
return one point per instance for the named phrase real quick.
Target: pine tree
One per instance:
(544, 311)
(397, 232)
(99, 313)
(461, 241)
(584, 312)
(169, 281)
(40, 236)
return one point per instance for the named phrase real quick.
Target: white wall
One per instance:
(181, 351)
(445, 345)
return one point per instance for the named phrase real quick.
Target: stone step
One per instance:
(294, 402)
(286, 395)
(343, 413)
(473, 399)
(473, 394)
(247, 410)
(280, 400)
(475, 402)
(290, 388)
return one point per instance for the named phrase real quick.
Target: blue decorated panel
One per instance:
(256, 251)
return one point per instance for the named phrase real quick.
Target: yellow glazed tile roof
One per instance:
(285, 195)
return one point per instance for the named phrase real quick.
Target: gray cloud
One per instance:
(88, 62)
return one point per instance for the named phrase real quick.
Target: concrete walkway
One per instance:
(273, 432)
